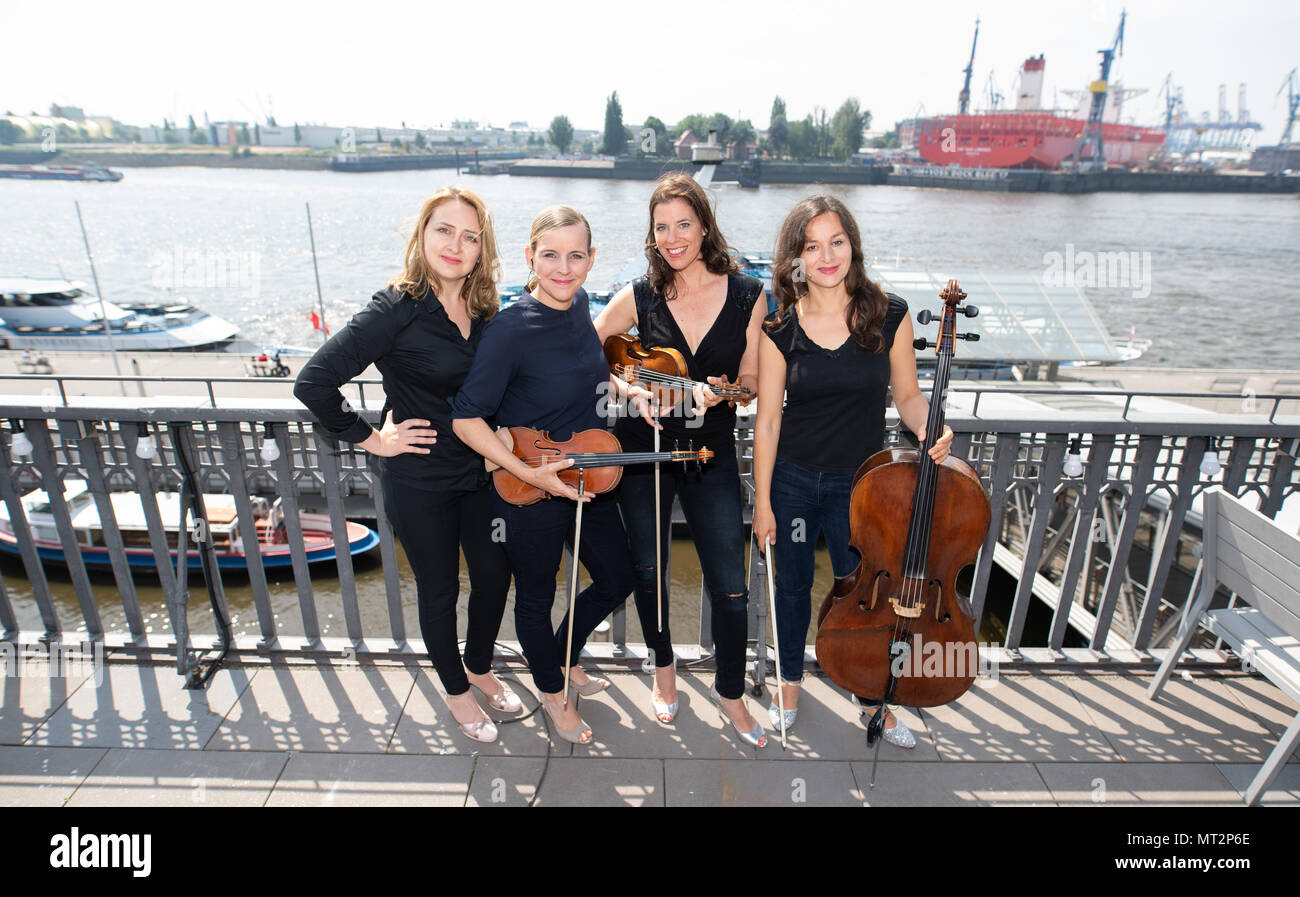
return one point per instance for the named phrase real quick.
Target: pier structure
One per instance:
(1080, 480)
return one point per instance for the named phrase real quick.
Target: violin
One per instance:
(896, 630)
(596, 453)
(662, 371)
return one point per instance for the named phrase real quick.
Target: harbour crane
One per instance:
(963, 98)
(1293, 104)
(1091, 136)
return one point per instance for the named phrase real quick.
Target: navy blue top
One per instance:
(538, 367)
(834, 415)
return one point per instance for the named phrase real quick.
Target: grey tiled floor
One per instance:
(321, 736)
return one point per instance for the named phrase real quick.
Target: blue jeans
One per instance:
(805, 503)
(711, 501)
(535, 537)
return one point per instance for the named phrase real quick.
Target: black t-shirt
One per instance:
(538, 367)
(834, 415)
(423, 359)
(718, 354)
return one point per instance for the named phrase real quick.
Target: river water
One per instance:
(236, 243)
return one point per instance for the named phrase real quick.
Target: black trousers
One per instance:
(434, 527)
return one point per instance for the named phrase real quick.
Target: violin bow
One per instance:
(659, 555)
(776, 640)
(573, 587)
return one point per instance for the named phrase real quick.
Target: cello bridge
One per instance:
(910, 611)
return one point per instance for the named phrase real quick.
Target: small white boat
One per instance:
(46, 313)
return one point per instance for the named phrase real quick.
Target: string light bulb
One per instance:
(1073, 466)
(270, 449)
(1210, 465)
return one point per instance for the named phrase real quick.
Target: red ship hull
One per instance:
(1026, 139)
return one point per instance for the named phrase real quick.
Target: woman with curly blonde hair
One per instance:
(422, 332)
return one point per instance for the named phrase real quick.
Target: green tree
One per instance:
(561, 133)
(297, 133)
(778, 130)
(662, 144)
(379, 135)
(243, 134)
(847, 126)
(588, 146)
(419, 139)
(803, 139)
(257, 133)
(741, 132)
(199, 138)
(822, 130)
(615, 142)
(9, 132)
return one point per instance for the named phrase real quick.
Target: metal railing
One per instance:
(1071, 538)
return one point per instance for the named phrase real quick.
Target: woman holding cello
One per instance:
(832, 347)
(540, 366)
(694, 301)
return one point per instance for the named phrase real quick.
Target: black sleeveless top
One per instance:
(719, 354)
(834, 415)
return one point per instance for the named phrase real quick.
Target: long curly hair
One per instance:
(417, 277)
(714, 248)
(865, 315)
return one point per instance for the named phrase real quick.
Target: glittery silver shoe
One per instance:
(774, 714)
(755, 738)
(900, 735)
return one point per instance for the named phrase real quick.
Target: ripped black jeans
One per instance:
(711, 501)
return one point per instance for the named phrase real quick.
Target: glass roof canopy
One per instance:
(1022, 318)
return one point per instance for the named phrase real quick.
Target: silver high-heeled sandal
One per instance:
(756, 738)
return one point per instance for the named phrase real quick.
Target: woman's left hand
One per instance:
(705, 397)
(940, 449)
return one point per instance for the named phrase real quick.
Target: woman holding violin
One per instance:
(694, 301)
(421, 331)
(540, 366)
(832, 347)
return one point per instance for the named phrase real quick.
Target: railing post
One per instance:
(27, 547)
(1148, 449)
(52, 483)
(88, 448)
(1081, 540)
(1188, 476)
(1004, 459)
(1049, 475)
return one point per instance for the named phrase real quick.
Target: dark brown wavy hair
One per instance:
(865, 315)
(714, 249)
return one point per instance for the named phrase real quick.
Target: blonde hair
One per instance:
(480, 291)
(547, 220)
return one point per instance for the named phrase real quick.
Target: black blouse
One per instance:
(424, 359)
(834, 415)
(718, 354)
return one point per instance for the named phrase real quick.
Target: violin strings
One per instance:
(651, 376)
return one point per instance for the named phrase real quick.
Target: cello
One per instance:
(895, 630)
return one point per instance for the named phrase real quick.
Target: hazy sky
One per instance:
(497, 61)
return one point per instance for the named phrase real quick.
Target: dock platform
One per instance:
(380, 735)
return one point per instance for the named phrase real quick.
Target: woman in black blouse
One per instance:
(834, 344)
(693, 300)
(421, 332)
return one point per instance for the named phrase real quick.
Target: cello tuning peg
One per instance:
(970, 311)
(924, 316)
(921, 343)
(970, 337)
